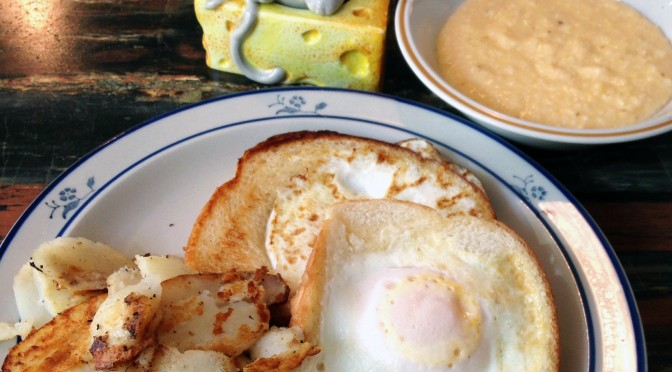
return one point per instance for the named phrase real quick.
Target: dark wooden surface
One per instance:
(75, 73)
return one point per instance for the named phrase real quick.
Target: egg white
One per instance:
(302, 201)
(355, 332)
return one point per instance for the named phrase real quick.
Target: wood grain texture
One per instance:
(635, 226)
(13, 202)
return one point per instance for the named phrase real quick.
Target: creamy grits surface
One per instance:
(571, 63)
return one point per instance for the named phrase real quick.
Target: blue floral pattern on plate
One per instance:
(528, 189)
(68, 200)
(295, 105)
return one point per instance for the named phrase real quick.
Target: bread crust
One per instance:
(230, 231)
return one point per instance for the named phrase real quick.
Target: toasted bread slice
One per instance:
(394, 285)
(270, 212)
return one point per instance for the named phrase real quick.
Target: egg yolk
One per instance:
(426, 316)
(428, 319)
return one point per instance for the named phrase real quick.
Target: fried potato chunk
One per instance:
(28, 300)
(78, 264)
(9, 331)
(280, 349)
(162, 267)
(62, 273)
(60, 345)
(169, 359)
(220, 312)
(125, 323)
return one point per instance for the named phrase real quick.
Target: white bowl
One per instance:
(417, 24)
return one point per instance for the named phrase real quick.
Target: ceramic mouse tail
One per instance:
(238, 36)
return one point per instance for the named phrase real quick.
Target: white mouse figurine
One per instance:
(277, 74)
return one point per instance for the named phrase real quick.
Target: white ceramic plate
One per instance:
(417, 24)
(142, 191)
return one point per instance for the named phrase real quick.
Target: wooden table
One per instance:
(75, 73)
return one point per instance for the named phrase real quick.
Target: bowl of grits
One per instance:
(546, 73)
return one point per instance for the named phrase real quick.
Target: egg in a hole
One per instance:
(394, 286)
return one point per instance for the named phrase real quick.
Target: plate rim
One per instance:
(614, 262)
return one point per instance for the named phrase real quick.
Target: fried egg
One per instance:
(427, 318)
(405, 318)
(393, 286)
(301, 202)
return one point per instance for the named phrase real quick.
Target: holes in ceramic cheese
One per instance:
(224, 63)
(311, 36)
(362, 12)
(356, 62)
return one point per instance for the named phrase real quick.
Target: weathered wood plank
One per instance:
(13, 202)
(635, 226)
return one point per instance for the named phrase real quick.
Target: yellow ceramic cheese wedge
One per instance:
(341, 50)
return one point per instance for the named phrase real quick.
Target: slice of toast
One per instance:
(393, 285)
(270, 212)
